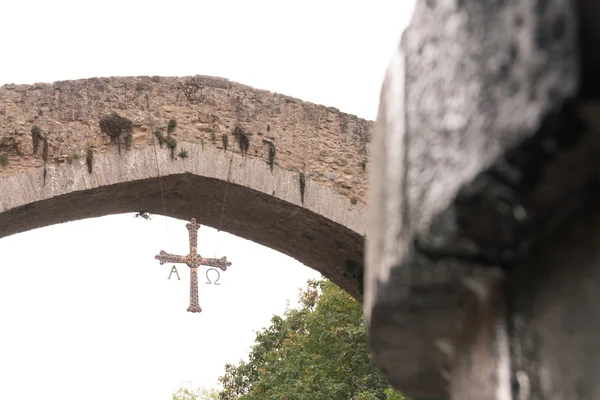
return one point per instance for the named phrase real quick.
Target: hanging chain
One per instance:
(223, 208)
(165, 208)
(162, 193)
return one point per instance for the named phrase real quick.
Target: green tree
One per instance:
(317, 351)
(183, 393)
(210, 394)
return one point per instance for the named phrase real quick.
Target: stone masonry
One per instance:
(329, 146)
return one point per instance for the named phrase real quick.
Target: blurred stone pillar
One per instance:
(483, 246)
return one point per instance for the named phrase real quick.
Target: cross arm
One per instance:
(165, 257)
(221, 263)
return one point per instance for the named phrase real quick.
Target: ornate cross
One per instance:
(193, 260)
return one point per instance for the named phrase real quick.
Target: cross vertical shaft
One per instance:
(194, 303)
(192, 228)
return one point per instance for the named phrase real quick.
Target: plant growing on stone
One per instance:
(225, 140)
(36, 137)
(45, 158)
(213, 136)
(141, 86)
(114, 126)
(343, 123)
(171, 145)
(143, 214)
(354, 200)
(271, 160)
(171, 142)
(302, 186)
(159, 135)
(45, 151)
(89, 159)
(3, 160)
(243, 139)
(128, 141)
(10, 145)
(76, 156)
(182, 154)
(171, 126)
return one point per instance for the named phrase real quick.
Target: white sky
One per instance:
(91, 315)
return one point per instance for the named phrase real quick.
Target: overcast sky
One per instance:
(85, 310)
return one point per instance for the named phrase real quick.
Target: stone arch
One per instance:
(324, 232)
(321, 146)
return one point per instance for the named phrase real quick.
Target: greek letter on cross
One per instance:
(174, 269)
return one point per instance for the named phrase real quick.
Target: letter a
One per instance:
(174, 269)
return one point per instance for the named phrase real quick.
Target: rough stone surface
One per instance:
(555, 316)
(471, 130)
(479, 80)
(205, 108)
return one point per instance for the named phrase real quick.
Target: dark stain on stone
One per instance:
(513, 88)
(559, 27)
(355, 271)
(307, 236)
(519, 21)
(541, 7)
(513, 53)
(504, 72)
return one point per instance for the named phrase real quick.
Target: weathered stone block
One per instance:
(472, 105)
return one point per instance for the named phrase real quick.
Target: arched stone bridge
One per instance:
(318, 146)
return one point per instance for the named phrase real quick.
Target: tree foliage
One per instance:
(317, 351)
(184, 393)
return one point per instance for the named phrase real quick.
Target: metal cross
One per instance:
(193, 260)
